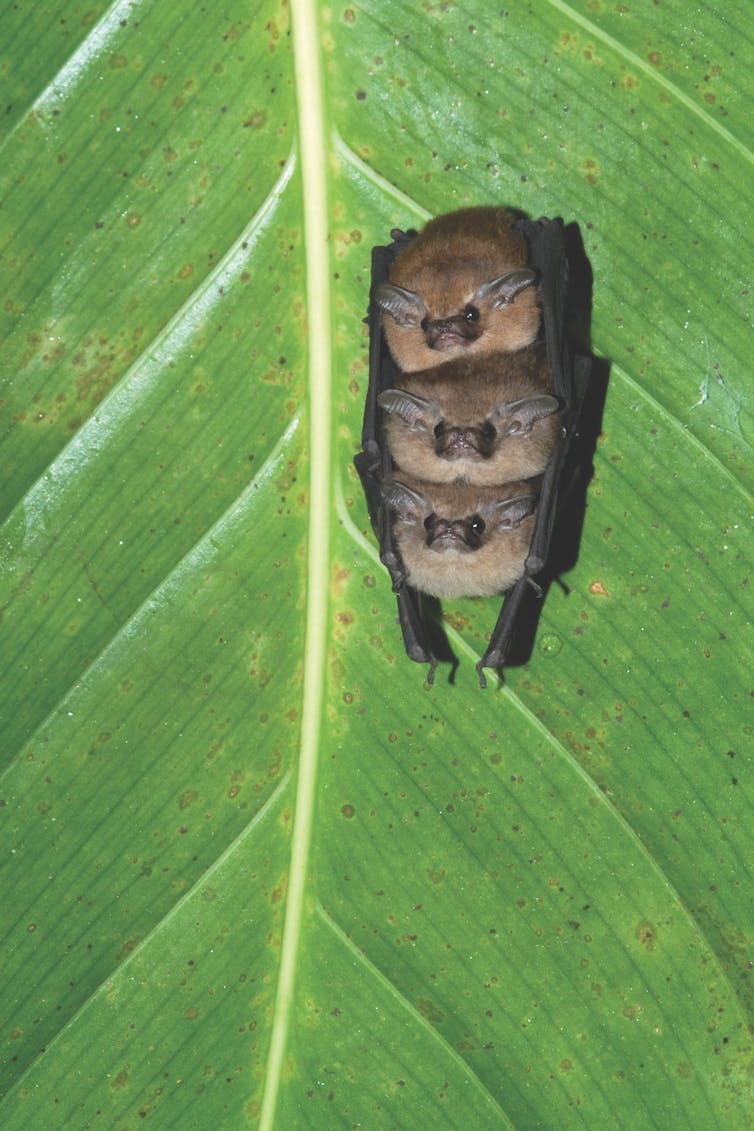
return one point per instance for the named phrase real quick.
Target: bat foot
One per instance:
(536, 587)
(433, 661)
(494, 663)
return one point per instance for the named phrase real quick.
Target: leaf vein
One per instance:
(651, 73)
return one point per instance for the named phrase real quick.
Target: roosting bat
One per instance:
(461, 540)
(464, 285)
(382, 468)
(487, 419)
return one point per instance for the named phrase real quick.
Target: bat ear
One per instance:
(406, 307)
(523, 415)
(510, 513)
(416, 411)
(407, 504)
(502, 291)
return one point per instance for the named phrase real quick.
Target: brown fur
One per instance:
(464, 393)
(453, 569)
(446, 264)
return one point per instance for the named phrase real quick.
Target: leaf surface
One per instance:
(256, 873)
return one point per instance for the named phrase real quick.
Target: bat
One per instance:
(486, 419)
(568, 380)
(462, 286)
(460, 540)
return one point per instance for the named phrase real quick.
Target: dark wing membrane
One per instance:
(374, 463)
(570, 379)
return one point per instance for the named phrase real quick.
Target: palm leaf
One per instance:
(255, 871)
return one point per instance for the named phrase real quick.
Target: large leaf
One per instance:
(255, 872)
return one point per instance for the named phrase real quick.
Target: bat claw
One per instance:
(536, 587)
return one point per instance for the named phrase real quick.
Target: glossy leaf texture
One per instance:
(255, 871)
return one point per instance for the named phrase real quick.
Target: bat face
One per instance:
(461, 287)
(486, 419)
(461, 541)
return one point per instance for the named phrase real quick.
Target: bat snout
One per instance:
(450, 333)
(462, 534)
(475, 442)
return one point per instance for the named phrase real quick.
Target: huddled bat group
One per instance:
(473, 398)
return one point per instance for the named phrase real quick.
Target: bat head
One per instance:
(458, 540)
(462, 286)
(488, 419)
(471, 438)
(449, 315)
(459, 519)
(461, 541)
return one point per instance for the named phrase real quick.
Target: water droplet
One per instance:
(550, 644)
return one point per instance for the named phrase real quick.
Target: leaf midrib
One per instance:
(312, 148)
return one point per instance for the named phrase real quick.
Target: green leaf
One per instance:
(255, 871)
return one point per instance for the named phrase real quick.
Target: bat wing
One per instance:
(570, 380)
(374, 464)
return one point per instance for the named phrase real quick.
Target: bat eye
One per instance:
(477, 523)
(440, 430)
(429, 521)
(424, 324)
(488, 431)
(471, 314)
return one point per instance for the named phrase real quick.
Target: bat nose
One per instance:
(455, 534)
(460, 438)
(471, 442)
(442, 332)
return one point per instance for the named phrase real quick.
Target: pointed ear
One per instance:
(407, 504)
(502, 291)
(510, 513)
(522, 415)
(416, 411)
(406, 307)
